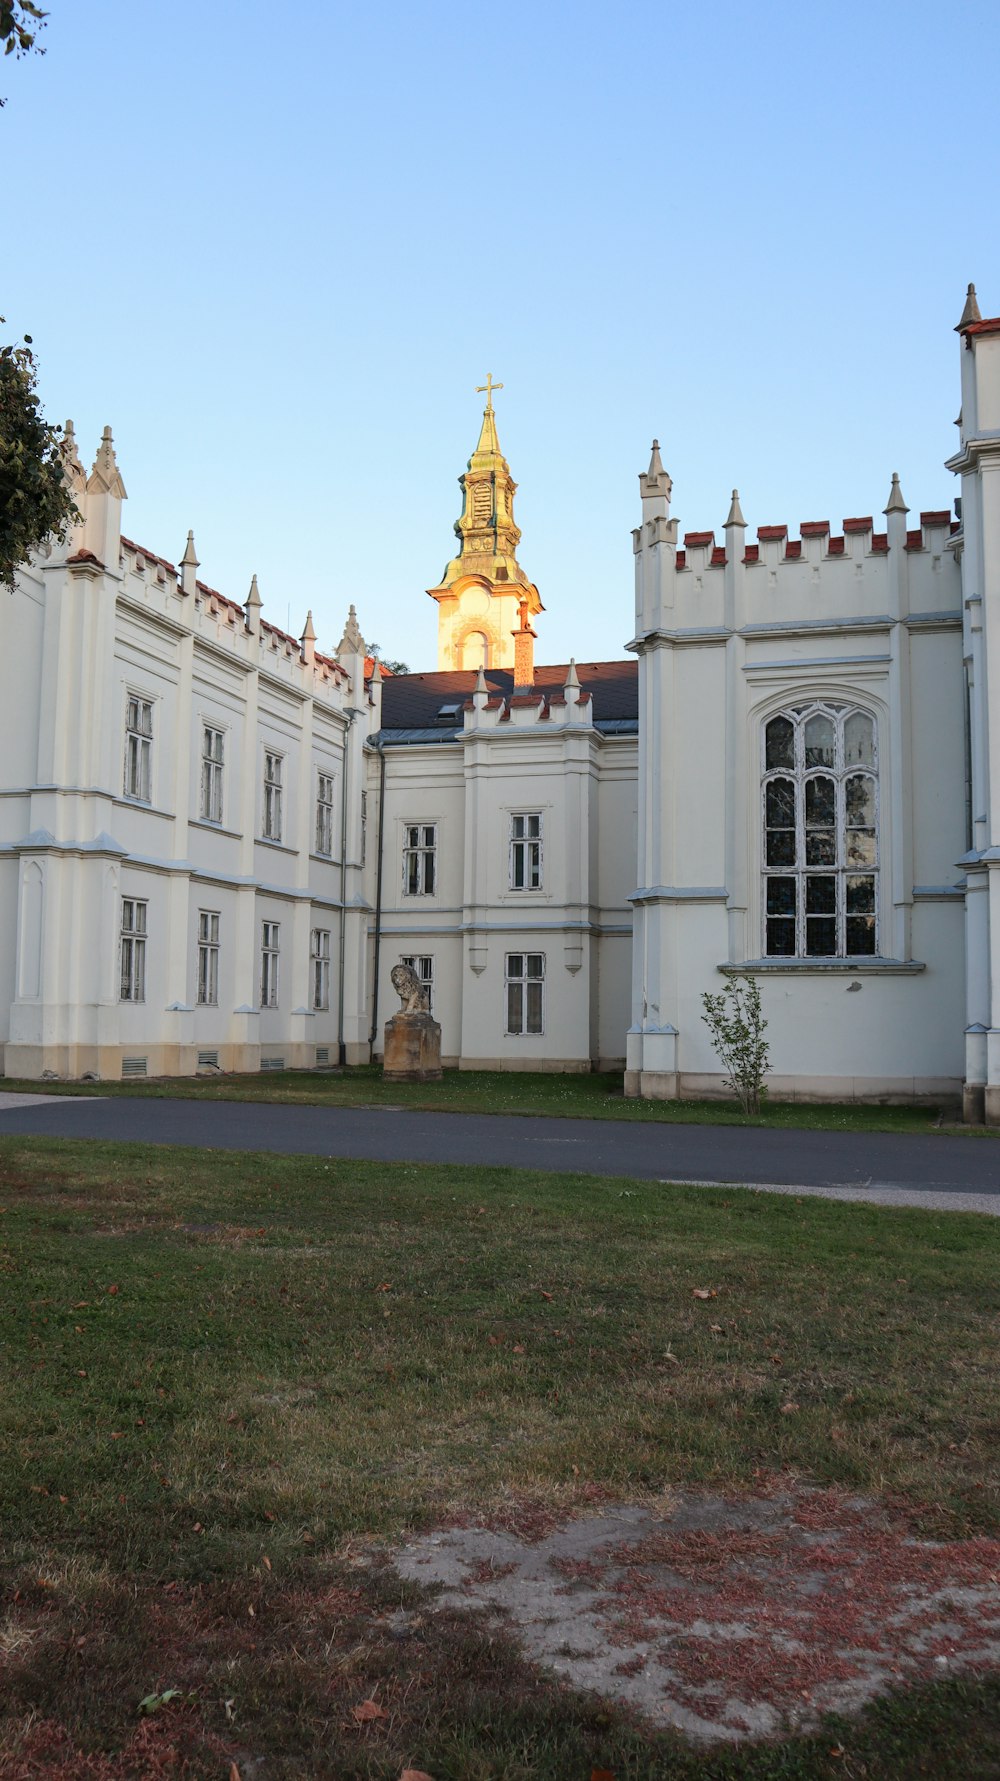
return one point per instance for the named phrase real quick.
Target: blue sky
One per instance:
(277, 249)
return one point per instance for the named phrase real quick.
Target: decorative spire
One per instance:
(72, 468)
(735, 512)
(376, 679)
(105, 477)
(481, 686)
(572, 677)
(895, 503)
(308, 640)
(252, 608)
(189, 567)
(655, 483)
(970, 313)
(351, 643)
(488, 538)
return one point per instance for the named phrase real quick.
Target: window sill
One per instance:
(214, 828)
(859, 967)
(279, 846)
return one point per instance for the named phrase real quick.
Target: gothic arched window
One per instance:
(820, 823)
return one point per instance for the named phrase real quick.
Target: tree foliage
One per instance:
(391, 667)
(736, 1023)
(20, 23)
(36, 501)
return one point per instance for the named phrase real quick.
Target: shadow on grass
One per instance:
(274, 1676)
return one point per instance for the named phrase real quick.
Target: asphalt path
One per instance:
(959, 1173)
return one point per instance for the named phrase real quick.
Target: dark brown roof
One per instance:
(413, 701)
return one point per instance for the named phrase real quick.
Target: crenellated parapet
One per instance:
(213, 617)
(777, 575)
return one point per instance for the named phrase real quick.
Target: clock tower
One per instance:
(484, 589)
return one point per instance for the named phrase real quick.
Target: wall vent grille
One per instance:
(208, 1060)
(272, 1063)
(322, 1054)
(134, 1066)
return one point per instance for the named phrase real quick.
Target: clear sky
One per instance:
(278, 247)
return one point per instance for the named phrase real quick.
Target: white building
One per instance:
(215, 843)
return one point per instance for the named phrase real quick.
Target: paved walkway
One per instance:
(960, 1174)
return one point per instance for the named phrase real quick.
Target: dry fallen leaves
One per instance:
(367, 1711)
(701, 1292)
(415, 1775)
(786, 1409)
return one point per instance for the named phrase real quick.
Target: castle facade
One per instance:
(216, 841)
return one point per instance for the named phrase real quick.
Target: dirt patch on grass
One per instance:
(729, 1619)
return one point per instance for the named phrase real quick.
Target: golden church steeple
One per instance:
(483, 587)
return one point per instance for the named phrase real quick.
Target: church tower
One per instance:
(484, 596)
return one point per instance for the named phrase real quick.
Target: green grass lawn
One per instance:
(591, 1096)
(226, 1379)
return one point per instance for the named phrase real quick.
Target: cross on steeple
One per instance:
(486, 389)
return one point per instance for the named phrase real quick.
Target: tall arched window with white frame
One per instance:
(820, 832)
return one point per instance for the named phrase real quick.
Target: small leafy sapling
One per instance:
(736, 1026)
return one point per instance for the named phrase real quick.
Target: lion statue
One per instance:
(410, 990)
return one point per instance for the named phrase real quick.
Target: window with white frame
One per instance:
(139, 748)
(419, 859)
(319, 968)
(324, 813)
(208, 958)
(269, 948)
(133, 950)
(364, 826)
(271, 828)
(212, 746)
(423, 965)
(820, 832)
(524, 992)
(526, 851)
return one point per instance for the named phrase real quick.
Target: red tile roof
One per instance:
(770, 533)
(814, 528)
(858, 525)
(698, 540)
(938, 518)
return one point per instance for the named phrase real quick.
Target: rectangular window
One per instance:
(133, 950)
(324, 814)
(139, 749)
(364, 826)
(526, 852)
(319, 962)
(524, 987)
(423, 965)
(272, 796)
(270, 934)
(419, 860)
(212, 742)
(208, 958)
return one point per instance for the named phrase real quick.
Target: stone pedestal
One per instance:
(412, 1049)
